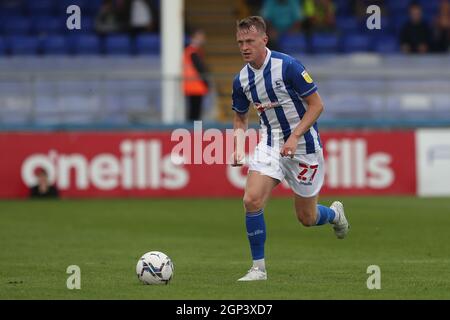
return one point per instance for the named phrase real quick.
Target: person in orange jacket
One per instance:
(195, 82)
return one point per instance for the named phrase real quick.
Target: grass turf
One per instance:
(408, 238)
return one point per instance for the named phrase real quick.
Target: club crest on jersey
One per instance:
(307, 77)
(278, 83)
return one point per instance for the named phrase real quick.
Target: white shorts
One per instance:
(304, 173)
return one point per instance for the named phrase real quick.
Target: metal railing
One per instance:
(99, 91)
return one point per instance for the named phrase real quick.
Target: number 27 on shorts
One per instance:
(307, 172)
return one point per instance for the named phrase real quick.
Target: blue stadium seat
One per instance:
(23, 45)
(386, 44)
(342, 7)
(48, 25)
(347, 24)
(55, 44)
(429, 5)
(92, 7)
(118, 44)
(355, 43)
(87, 44)
(325, 43)
(40, 7)
(399, 22)
(16, 25)
(293, 44)
(87, 24)
(13, 9)
(2, 47)
(398, 5)
(148, 44)
(72, 40)
(387, 24)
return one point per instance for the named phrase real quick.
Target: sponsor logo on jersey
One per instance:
(261, 107)
(307, 77)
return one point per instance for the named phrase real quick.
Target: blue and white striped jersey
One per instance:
(280, 83)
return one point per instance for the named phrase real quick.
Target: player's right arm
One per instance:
(240, 125)
(240, 122)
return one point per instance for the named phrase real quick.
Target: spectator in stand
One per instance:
(416, 35)
(122, 13)
(195, 75)
(282, 16)
(319, 16)
(441, 28)
(140, 16)
(325, 17)
(107, 20)
(43, 188)
(359, 7)
(254, 6)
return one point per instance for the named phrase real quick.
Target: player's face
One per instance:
(252, 44)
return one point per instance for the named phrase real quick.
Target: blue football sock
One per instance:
(256, 232)
(324, 215)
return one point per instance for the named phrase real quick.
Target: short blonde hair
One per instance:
(253, 21)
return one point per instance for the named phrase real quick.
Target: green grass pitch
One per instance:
(408, 238)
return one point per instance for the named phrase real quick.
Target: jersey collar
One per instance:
(266, 61)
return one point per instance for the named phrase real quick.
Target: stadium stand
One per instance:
(118, 44)
(23, 45)
(46, 18)
(38, 18)
(39, 27)
(54, 45)
(325, 43)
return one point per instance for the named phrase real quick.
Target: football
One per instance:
(155, 267)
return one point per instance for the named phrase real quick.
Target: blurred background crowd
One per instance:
(311, 26)
(340, 26)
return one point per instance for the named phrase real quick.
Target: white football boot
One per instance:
(254, 274)
(341, 226)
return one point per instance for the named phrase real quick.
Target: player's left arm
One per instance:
(303, 84)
